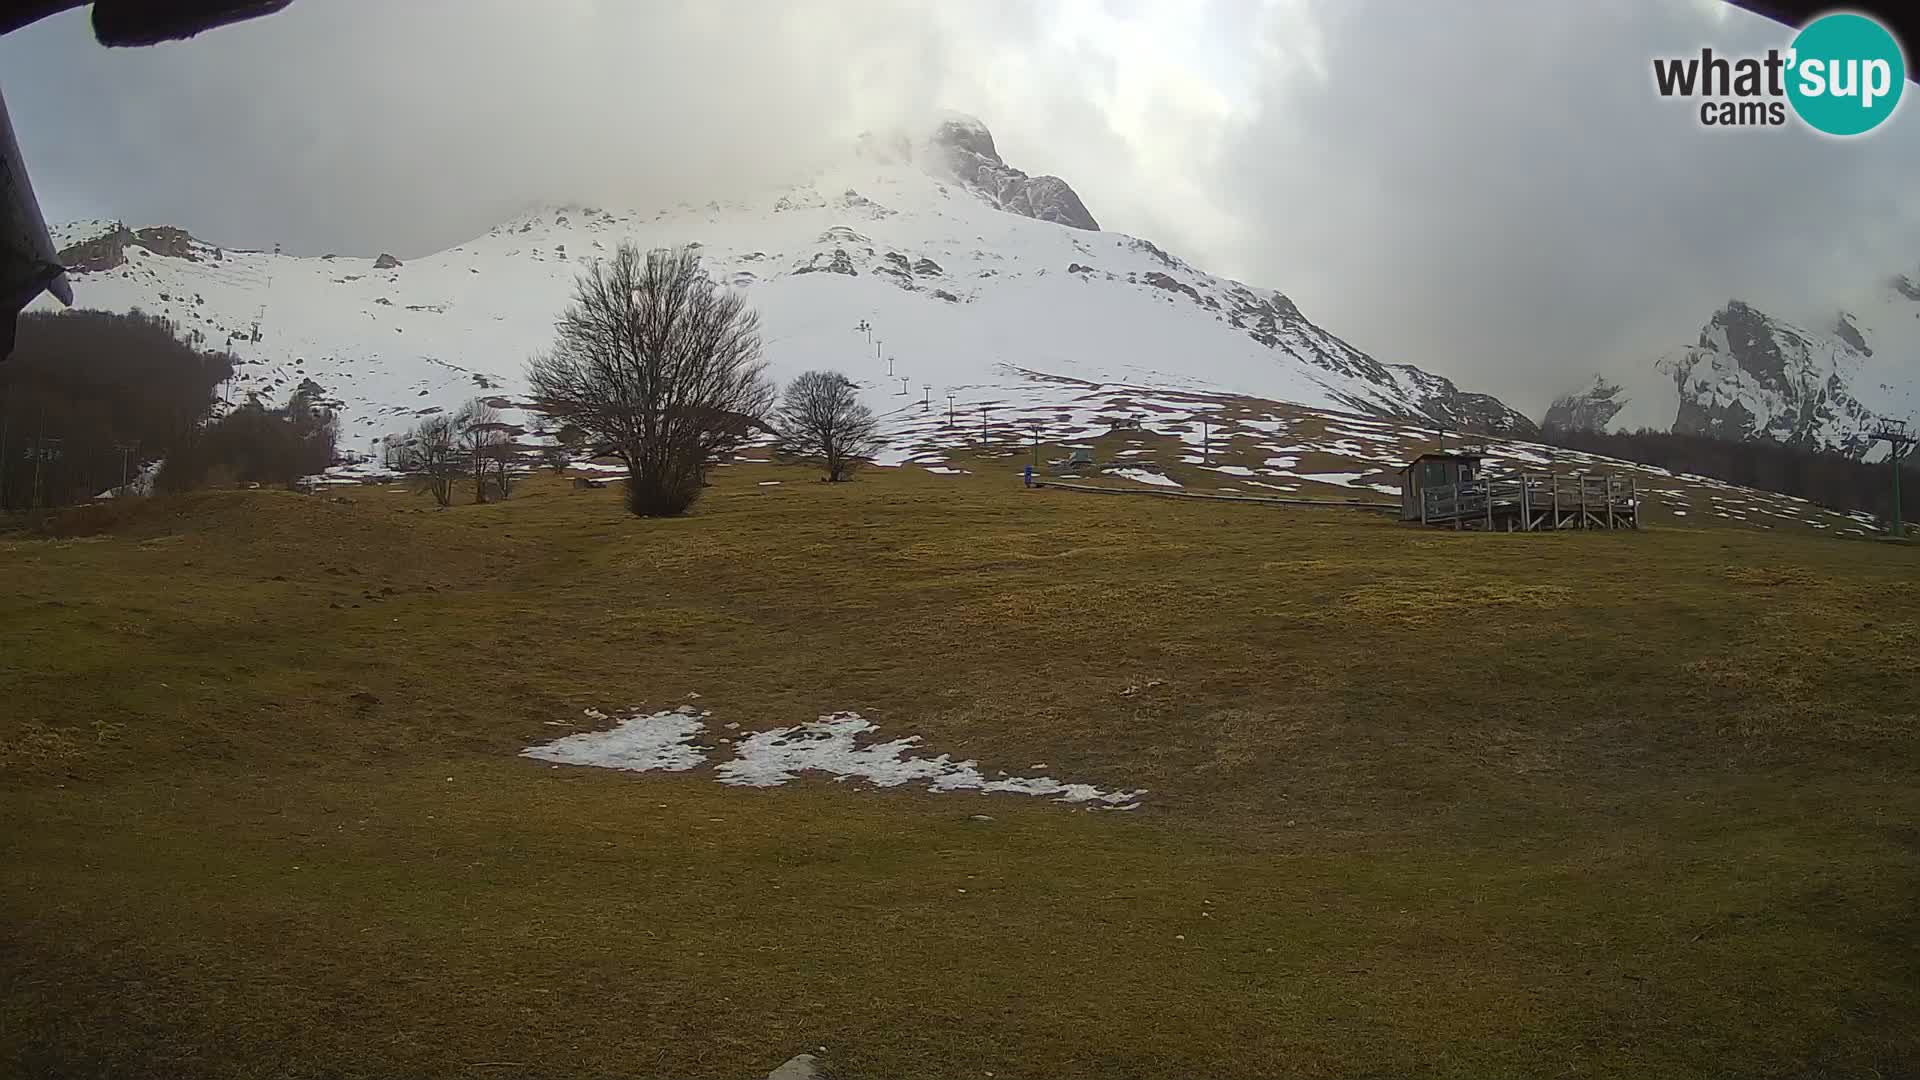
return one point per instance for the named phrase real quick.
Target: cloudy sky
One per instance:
(1488, 189)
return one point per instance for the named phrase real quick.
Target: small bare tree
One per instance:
(484, 443)
(821, 419)
(503, 470)
(654, 362)
(431, 455)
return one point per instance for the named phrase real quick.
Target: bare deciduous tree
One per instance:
(503, 470)
(657, 364)
(432, 455)
(821, 419)
(484, 443)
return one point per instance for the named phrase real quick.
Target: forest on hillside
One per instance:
(89, 399)
(1824, 477)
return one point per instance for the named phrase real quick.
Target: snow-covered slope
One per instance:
(970, 287)
(1754, 375)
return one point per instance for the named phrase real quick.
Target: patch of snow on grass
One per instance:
(771, 758)
(1144, 477)
(662, 741)
(1349, 433)
(1336, 479)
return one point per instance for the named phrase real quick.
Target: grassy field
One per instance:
(1422, 804)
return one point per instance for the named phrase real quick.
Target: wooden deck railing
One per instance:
(1532, 502)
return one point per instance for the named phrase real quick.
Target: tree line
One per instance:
(90, 399)
(1819, 476)
(446, 448)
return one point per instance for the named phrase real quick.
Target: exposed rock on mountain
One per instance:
(966, 148)
(1754, 375)
(1590, 410)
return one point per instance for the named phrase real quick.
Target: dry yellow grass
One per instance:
(1421, 804)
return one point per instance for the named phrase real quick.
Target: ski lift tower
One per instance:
(1899, 441)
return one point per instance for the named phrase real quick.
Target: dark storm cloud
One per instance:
(1492, 191)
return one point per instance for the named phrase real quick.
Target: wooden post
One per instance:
(1556, 500)
(1583, 502)
(1526, 504)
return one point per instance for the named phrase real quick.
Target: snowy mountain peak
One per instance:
(958, 131)
(1751, 374)
(959, 148)
(921, 268)
(1592, 409)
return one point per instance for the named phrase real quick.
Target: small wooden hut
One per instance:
(1434, 469)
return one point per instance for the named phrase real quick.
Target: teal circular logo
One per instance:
(1845, 74)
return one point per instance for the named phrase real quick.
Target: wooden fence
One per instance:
(1534, 502)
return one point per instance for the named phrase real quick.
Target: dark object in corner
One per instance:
(1902, 19)
(132, 23)
(27, 263)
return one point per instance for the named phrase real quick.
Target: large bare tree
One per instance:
(658, 366)
(821, 419)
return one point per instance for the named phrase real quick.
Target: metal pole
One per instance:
(1899, 527)
(1895, 433)
(949, 410)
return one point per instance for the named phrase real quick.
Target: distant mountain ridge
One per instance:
(1755, 375)
(974, 277)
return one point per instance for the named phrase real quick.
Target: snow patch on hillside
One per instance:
(638, 743)
(664, 741)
